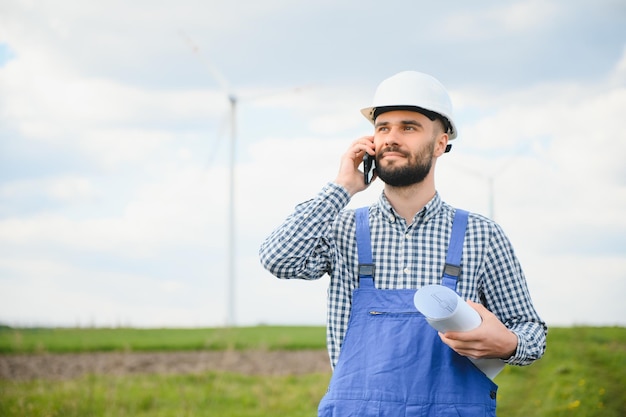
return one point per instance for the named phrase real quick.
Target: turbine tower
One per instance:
(232, 98)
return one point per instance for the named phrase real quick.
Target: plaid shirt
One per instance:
(319, 238)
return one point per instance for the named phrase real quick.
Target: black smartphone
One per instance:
(369, 165)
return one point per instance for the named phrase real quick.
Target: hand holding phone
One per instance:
(369, 167)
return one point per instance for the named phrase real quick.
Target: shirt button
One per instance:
(407, 236)
(407, 270)
(392, 218)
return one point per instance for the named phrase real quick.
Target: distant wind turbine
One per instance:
(490, 177)
(232, 98)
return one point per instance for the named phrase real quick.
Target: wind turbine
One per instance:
(232, 98)
(233, 101)
(490, 177)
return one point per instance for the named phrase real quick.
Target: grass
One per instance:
(65, 340)
(583, 374)
(210, 394)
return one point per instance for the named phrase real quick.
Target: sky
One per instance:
(115, 138)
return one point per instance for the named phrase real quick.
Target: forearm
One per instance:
(301, 246)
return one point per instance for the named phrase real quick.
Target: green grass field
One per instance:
(63, 340)
(582, 374)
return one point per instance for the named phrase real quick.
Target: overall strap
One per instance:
(364, 248)
(452, 269)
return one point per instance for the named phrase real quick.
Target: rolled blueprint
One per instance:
(446, 311)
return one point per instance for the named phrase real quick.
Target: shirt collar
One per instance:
(425, 214)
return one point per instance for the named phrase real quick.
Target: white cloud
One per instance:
(502, 19)
(175, 212)
(570, 290)
(64, 188)
(69, 295)
(59, 104)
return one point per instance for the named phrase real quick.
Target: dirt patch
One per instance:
(257, 362)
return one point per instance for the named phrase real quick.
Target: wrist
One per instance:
(350, 188)
(510, 346)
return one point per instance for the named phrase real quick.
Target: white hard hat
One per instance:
(412, 90)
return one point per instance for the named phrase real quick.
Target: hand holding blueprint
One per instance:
(446, 311)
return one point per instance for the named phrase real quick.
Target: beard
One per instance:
(417, 168)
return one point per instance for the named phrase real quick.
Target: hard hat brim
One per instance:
(371, 114)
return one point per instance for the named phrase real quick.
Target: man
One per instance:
(387, 361)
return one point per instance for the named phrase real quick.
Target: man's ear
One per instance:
(441, 144)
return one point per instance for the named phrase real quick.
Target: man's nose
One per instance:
(391, 138)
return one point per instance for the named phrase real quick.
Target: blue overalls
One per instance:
(392, 362)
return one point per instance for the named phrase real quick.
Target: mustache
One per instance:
(394, 149)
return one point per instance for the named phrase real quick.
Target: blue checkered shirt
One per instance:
(319, 238)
